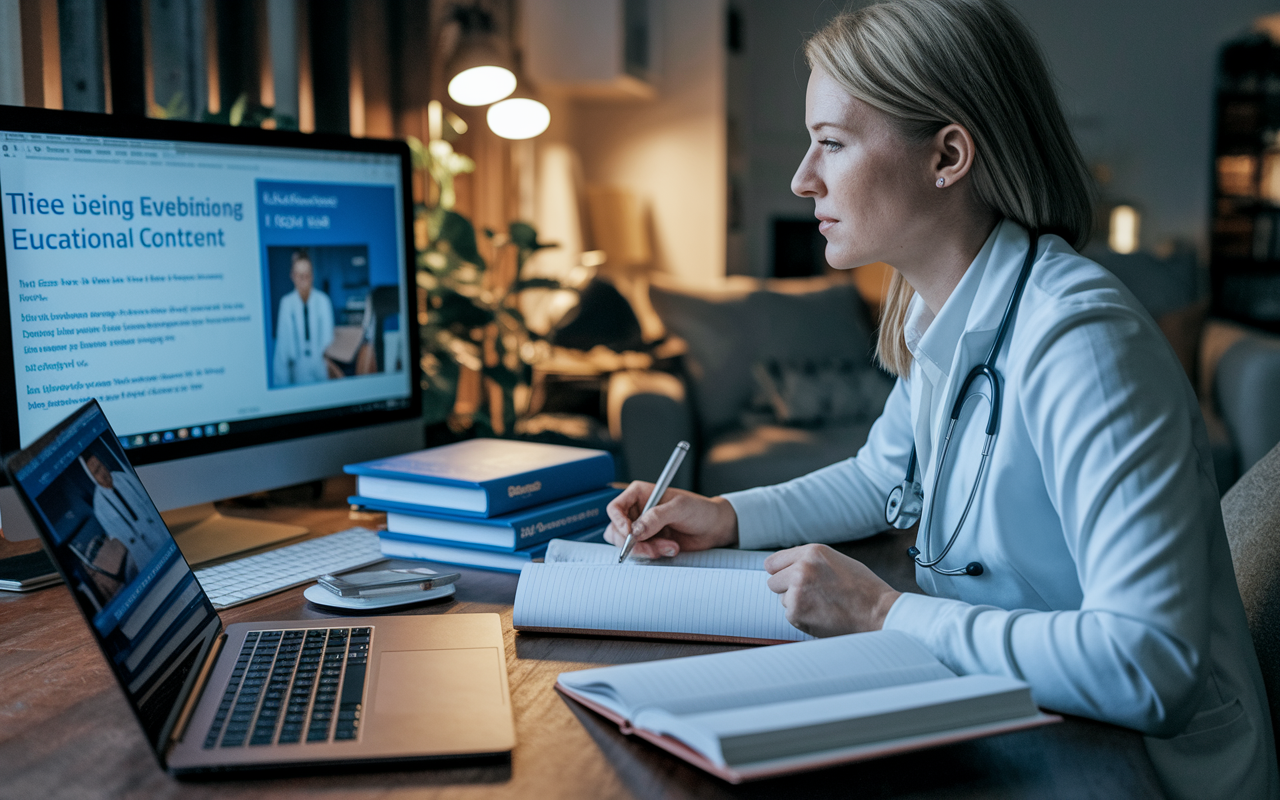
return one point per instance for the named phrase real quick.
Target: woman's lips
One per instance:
(825, 223)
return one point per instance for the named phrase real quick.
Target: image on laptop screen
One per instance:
(121, 563)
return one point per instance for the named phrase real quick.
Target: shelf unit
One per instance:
(1245, 242)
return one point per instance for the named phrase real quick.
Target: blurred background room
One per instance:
(608, 249)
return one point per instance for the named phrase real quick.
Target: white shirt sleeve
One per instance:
(837, 503)
(282, 362)
(323, 311)
(1116, 433)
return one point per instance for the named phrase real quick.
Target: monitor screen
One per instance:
(213, 288)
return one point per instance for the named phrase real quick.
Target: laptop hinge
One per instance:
(193, 698)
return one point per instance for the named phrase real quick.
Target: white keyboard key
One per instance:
(256, 576)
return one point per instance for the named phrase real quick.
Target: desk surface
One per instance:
(66, 731)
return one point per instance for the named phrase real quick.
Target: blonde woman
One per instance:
(1070, 533)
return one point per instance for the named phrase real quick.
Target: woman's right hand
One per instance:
(681, 521)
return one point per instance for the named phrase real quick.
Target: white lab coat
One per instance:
(1108, 584)
(299, 359)
(131, 518)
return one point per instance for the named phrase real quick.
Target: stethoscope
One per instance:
(903, 507)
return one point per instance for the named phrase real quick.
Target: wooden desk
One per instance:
(66, 731)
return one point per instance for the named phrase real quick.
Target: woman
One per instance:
(1087, 555)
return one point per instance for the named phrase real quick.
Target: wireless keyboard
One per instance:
(249, 578)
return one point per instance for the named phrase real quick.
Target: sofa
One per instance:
(714, 400)
(778, 379)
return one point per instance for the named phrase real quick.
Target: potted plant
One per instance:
(477, 350)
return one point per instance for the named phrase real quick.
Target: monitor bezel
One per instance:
(74, 123)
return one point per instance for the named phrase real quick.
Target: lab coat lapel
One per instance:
(1008, 248)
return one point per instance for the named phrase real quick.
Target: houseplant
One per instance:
(477, 350)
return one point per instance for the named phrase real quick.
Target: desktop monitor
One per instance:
(239, 301)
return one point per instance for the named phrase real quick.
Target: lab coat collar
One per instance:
(974, 307)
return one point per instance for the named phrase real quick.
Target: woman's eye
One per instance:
(831, 145)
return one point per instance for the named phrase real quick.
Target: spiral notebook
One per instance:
(712, 595)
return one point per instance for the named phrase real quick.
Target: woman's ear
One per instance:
(953, 154)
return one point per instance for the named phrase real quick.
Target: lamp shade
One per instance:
(479, 72)
(518, 118)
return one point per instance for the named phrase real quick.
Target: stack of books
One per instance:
(488, 503)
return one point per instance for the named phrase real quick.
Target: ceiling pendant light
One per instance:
(480, 72)
(518, 118)
(522, 115)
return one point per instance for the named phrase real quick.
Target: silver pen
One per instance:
(659, 489)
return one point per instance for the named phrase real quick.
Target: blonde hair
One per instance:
(930, 63)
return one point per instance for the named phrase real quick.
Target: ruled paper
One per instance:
(818, 668)
(563, 551)
(733, 603)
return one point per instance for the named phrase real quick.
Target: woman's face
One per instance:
(869, 185)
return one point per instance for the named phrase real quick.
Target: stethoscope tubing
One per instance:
(986, 369)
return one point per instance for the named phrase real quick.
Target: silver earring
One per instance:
(942, 182)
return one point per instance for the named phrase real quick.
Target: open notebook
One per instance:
(766, 711)
(712, 595)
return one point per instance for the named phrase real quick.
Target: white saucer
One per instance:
(323, 597)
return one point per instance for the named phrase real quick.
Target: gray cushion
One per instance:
(728, 331)
(1247, 390)
(768, 454)
(1251, 511)
(814, 393)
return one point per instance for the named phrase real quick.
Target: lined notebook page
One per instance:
(857, 662)
(729, 603)
(562, 551)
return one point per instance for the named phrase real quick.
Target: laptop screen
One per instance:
(152, 620)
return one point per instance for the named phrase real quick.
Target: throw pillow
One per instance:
(728, 331)
(817, 393)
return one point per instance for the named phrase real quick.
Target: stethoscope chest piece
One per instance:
(904, 504)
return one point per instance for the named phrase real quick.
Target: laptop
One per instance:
(260, 696)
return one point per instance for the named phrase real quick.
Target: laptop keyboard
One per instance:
(293, 686)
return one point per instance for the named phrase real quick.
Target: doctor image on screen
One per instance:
(304, 328)
(125, 513)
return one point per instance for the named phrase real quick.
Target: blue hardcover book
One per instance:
(483, 477)
(514, 531)
(417, 548)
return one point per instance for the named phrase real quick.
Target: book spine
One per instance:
(446, 554)
(545, 485)
(533, 528)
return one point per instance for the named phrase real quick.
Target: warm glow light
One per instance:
(1123, 237)
(518, 118)
(480, 86)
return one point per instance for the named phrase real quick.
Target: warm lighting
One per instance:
(480, 86)
(518, 118)
(481, 65)
(593, 258)
(1123, 237)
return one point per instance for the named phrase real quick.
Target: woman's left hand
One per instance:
(826, 593)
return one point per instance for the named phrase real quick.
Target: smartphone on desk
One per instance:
(26, 572)
(386, 581)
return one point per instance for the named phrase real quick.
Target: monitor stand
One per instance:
(204, 535)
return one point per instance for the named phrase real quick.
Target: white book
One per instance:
(753, 713)
(711, 595)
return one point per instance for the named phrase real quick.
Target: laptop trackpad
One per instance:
(410, 681)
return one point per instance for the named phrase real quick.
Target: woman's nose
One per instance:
(805, 183)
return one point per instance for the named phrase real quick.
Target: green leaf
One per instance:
(537, 283)
(525, 236)
(237, 110)
(461, 236)
(502, 376)
(458, 309)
